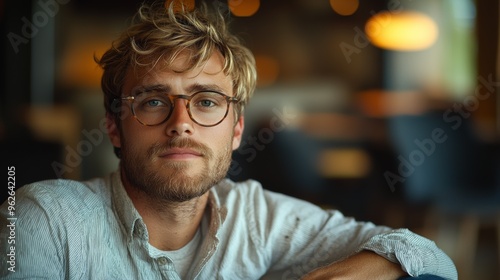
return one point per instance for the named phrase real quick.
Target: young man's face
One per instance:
(177, 160)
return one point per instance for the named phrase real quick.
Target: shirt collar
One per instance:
(125, 210)
(132, 220)
(210, 228)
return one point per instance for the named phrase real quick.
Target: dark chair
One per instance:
(456, 175)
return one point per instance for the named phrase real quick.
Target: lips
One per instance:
(179, 148)
(180, 153)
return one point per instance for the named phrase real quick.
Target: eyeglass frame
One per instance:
(173, 98)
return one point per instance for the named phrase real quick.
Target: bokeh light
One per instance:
(344, 7)
(267, 70)
(405, 31)
(243, 8)
(78, 67)
(344, 163)
(180, 4)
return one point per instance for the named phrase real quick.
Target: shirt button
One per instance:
(162, 261)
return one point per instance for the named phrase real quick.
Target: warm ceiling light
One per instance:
(180, 5)
(344, 7)
(405, 31)
(243, 8)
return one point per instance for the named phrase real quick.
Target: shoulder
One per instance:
(228, 188)
(229, 192)
(250, 195)
(62, 194)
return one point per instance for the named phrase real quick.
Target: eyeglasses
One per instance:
(206, 108)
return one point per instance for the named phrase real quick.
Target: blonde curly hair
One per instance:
(161, 33)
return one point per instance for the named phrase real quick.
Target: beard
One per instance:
(173, 182)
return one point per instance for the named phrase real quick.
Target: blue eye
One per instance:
(206, 103)
(154, 103)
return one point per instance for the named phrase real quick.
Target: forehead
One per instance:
(177, 74)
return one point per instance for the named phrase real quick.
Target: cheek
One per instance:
(135, 138)
(220, 139)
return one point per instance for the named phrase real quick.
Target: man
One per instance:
(175, 86)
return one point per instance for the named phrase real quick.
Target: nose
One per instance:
(179, 123)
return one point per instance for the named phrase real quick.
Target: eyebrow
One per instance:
(154, 87)
(196, 87)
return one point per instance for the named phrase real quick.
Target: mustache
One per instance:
(180, 142)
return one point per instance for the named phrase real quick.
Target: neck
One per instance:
(171, 225)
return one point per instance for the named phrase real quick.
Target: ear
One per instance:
(113, 130)
(238, 132)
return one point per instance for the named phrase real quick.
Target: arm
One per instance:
(416, 254)
(363, 265)
(390, 255)
(305, 237)
(34, 249)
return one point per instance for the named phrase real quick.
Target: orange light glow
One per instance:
(78, 67)
(267, 70)
(180, 4)
(344, 163)
(405, 31)
(372, 103)
(382, 104)
(344, 7)
(243, 8)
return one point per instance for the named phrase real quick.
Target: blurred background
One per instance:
(386, 110)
